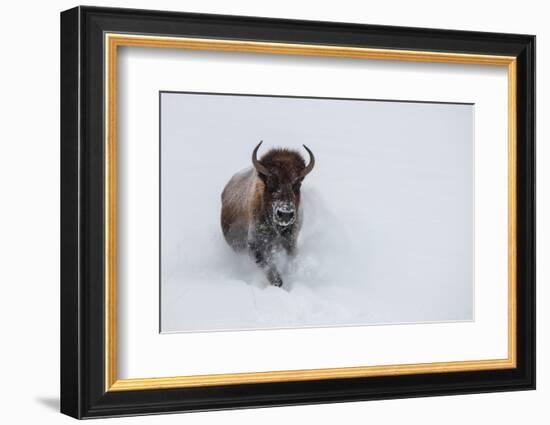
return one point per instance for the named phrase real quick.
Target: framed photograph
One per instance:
(260, 212)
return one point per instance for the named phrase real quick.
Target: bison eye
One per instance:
(296, 186)
(271, 184)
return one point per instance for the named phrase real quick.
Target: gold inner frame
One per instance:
(113, 41)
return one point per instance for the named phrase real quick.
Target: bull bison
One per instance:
(261, 207)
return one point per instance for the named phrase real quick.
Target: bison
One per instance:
(261, 207)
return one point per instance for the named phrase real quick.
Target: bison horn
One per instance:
(257, 164)
(311, 164)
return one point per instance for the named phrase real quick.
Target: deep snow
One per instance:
(388, 225)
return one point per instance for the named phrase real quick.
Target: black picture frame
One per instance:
(83, 392)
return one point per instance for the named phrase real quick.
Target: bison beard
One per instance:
(261, 207)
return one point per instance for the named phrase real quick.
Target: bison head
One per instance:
(282, 172)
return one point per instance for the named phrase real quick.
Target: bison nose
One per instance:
(285, 215)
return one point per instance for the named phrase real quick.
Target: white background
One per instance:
(141, 346)
(360, 260)
(29, 171)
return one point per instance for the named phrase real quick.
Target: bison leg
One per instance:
(263, 260)
(274, 277)
(289, 246)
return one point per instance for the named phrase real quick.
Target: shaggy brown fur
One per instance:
(261, 212)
